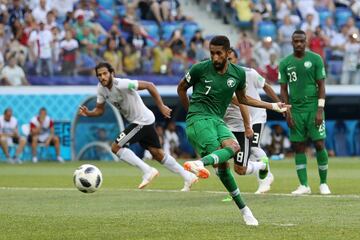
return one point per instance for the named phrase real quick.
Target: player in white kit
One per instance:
(9, 135)
(248, 130)
(122, 93)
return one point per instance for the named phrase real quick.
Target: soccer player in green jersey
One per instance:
(214, 83)
(303, 73)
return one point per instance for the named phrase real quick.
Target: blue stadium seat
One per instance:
(152, 30)
(168, 28)
(324, 13)
(107, 4)
(106, 18)
(240, 24)
(189, 28)
(121, 10)
(267, 29)
(342, 15)
(341, 139)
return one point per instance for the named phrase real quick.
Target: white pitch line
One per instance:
(355, 196)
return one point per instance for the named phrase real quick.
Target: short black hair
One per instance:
(299, 31)
(104, 65)
(234, 51)
(7, 109)
(221, 40)
(42, 109)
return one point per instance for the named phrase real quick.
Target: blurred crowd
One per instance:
(68, 37)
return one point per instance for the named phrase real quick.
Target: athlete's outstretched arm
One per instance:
(165, 110)
(182, 92)
(247, 100)
(97, 111)
(271, 93)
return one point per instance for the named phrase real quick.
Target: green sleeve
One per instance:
(319, 69)
(242, 82)
(194, 74)
(282, 74)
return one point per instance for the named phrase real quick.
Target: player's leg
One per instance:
(5, 148)
(150, 141)
(318, 134)
(21, 141)
(33, 140)
(229, 182)
(205, 136)
(298, 137)
(55, 141)
(128, 156)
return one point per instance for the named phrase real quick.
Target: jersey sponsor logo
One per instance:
(188, 77)
(230, 82)
(307, 64)
(208, 81)
(289, 68)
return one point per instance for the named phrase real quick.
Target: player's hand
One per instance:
(249, 133)
(280, 107)
(166, 111)
(319, 117)
(289, 120)
(83, 111)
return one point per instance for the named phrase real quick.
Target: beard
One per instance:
(219, 65)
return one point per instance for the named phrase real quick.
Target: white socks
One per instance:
(130, 157)
(170, 163)
(254, 167)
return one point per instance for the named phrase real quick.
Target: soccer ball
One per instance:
(87, 178)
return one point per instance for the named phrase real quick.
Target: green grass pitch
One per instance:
(38, 201)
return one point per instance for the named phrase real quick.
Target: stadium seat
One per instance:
(341, 16)
(106, 18)
(324, 13)
(107, 4)
(189, 28)
(121, 10)
(267, 29)
(240, 24)
(335, 69)
(168, 28)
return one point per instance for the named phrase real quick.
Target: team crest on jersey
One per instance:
(307, 64)
(230, 82)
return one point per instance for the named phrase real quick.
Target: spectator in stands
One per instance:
(355, 8)
(309, 24)
(350, 23)
(2, 62)
(40, 11)
(245, 47)
(20, 51)
(9, 135)
(171, 140)
(284, 8)
(318, 41)
(162, 56)
(285, 36)
(262, 11)
(50, 20)
(4, 16)
(80, 24)
(42, 131)
(351, 66)
(12, 74)
(41, 43)
(131, 61)
(87, 38)
(137, 39)
(88, 8)
(330, 28)
(272, 69)
(62, 7)
(197, 43)
(254, 64)
(18, 32)
(87, 61)
(243, 9)
(5, 37)
(325, 4)
(306, 7)
(69, 51)
(158, 10)
(115, 34)
(177, 44)
(264, 49)
(337, 43)
(114, 56)
(176, 12)
(280, 143)
(17, 11)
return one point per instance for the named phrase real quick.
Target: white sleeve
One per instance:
(125, 83)
(100, 97)
(257, 79)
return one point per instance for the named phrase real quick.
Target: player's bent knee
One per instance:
(115, 148)
(240, 170)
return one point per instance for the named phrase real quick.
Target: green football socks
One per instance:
(218, 156)
(322, 160)
(228, 181)
(300, 161)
